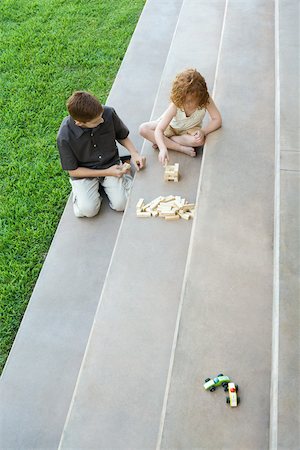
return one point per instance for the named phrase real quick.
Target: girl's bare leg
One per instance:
(147, 130)
(185, 139)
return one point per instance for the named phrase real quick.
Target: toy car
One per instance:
(233, 399)
(212, 384)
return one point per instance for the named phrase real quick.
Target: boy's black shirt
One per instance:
(94, 148)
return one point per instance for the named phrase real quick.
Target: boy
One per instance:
(87, 145)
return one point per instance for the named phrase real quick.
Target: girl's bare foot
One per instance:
(188, 150)
(183, 149)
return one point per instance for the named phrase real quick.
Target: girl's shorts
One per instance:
(169, 131)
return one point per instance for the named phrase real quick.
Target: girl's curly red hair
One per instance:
(189, 82)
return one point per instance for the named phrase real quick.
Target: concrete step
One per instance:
(119, 393)
(38, 380)
(286, 360)
(225, 321)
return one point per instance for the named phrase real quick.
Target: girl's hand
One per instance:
(163, 157)
(199, 137)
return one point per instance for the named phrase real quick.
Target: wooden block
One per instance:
(166, 205)
(164, 210)
(166, 213)
(143, 161)
(169, 198)
(185, 216)
(173, 217)
(178, 201)
(154, 204)
(125, 167)
(176, 172)
(188, 206)
(140, 203)
(143, 214)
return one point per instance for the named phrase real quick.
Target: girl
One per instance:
(180, 126)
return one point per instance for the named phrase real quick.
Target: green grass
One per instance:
(49, 48)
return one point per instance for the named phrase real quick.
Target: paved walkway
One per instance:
(219, 294)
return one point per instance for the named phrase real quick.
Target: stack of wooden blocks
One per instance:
(172, 173)
(170, 208)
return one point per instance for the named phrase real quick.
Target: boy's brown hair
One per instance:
(189, 82)
(83, 106)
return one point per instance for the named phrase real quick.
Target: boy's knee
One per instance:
(87, 209)
(118, 205)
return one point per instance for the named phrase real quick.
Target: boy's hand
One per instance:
(139, 162)
(163, 157)
(115, 171)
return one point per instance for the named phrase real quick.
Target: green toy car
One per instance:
(212, 383)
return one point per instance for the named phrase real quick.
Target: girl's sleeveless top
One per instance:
(182, 123)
